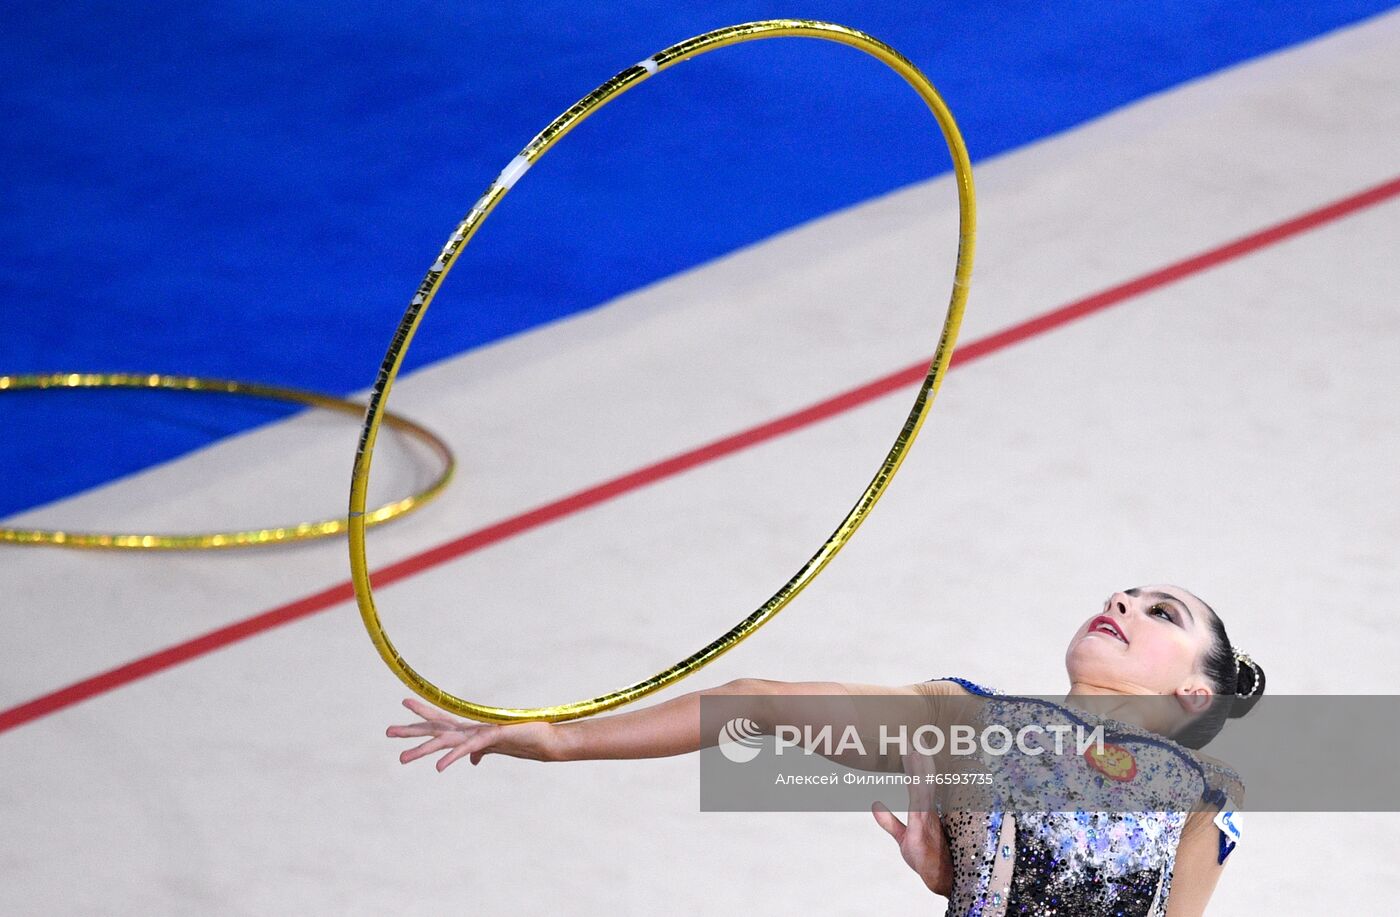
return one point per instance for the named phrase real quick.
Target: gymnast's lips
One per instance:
(1105, 625)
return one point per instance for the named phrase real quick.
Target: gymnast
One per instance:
(1154, 640)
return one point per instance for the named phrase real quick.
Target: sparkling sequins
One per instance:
(1111, 856)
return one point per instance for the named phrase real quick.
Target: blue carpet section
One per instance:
(255, 190)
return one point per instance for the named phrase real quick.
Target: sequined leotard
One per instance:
(1025, 861)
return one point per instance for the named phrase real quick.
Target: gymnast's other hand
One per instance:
(922, 844)
(462, 738)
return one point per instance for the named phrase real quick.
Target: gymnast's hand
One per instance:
(922, 845)
(460, 738)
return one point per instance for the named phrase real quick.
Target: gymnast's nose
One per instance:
(1117, 604)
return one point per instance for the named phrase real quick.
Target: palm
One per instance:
(921, 844)
(462, 738)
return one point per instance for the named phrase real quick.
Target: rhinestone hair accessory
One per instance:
(1242, 660)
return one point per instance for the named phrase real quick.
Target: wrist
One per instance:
(564, 742)
(940, 883)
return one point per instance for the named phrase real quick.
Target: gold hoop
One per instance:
(537, 147)
(303, 531)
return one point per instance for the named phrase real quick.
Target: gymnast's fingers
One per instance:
(454, 755)
(921, 801)
(889, 821)
(428, 747)
(427, 711)
(478, 744)
(412, 729)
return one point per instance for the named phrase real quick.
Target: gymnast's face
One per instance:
(1145, 640)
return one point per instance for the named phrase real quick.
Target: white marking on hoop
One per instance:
(512, 172)
(649, 65)
(443, 256)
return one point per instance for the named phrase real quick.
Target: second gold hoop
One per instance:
(232, 538)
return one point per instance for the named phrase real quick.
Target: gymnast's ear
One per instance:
(1194, 698)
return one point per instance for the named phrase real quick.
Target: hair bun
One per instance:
(1249, 685)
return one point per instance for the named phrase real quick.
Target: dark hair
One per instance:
(1237, 682)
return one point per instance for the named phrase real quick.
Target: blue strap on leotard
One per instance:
(969, 685)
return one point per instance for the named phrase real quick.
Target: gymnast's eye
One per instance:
(1165, 611)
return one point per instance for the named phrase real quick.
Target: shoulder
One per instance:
(1215, 764)
(953, 686)
(1221, 778)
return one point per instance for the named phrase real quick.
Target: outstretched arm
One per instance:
(668, 728)
(673, 728)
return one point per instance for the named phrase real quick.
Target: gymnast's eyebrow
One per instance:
(1135, 593)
